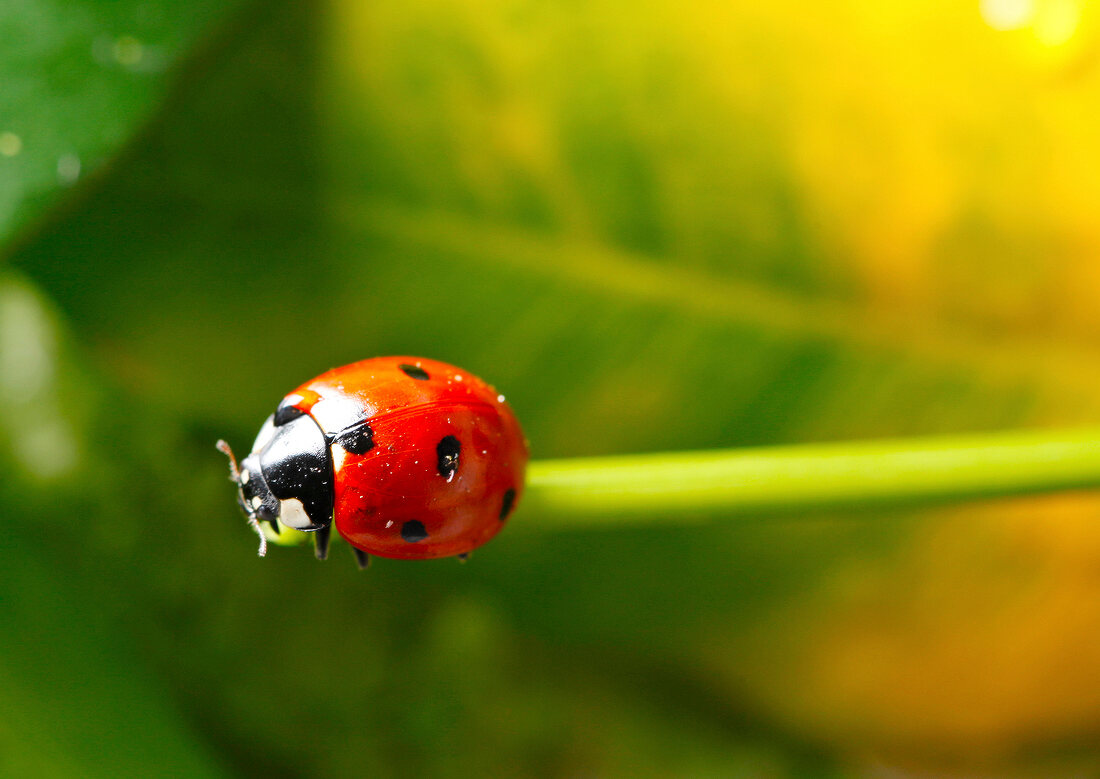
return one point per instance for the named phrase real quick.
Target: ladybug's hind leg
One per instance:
(361, 557)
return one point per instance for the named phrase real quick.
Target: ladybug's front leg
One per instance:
(321, 537)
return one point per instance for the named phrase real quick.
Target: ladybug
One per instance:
(410, 458)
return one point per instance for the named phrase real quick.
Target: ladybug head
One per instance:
(287, 477)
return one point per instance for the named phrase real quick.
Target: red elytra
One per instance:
(419, 459)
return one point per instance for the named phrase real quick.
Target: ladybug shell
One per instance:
(428, 459)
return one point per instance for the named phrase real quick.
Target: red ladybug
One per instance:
(412, 458)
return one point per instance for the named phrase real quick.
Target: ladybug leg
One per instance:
(321, 538)
(464, 557)
(260, 532)
(361, 557)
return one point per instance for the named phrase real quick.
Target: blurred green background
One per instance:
(667, 225)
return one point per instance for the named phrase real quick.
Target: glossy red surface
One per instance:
(398, 480)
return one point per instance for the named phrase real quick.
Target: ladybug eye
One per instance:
(255, 496)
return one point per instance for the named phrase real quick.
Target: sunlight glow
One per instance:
(1053, 22)
(1057, 21)
(1007, 14)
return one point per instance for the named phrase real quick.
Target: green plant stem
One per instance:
(805, 478)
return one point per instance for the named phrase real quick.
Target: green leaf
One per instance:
(80, 78)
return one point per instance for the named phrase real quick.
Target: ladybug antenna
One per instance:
(235, 477)
(234, 473)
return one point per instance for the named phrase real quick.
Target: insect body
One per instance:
(410, 458)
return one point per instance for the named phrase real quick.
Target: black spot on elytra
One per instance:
(446, 452)
(357, 439)
(285, 414)
(414, 371)
(507, 503)
(413, 531)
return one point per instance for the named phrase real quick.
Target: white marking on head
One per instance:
(257, 501)
(293, 514)
(245, 476)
